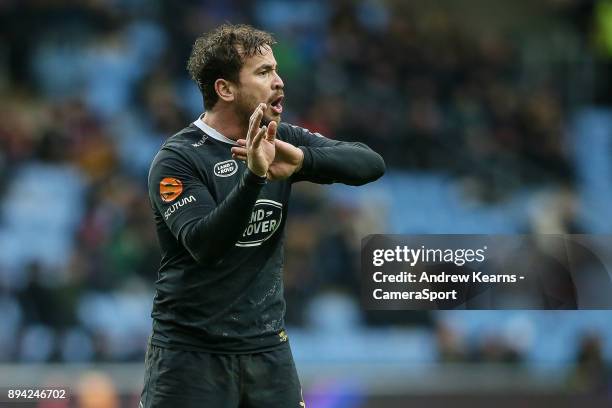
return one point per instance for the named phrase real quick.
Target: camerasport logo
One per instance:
(170, 188)
(226, 168)
(265, 220)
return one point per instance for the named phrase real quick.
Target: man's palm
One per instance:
(265, 152)
(259, 145)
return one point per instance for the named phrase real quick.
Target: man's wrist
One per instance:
(254, 178)
(256, 173)
(306, 162)
(300, 161)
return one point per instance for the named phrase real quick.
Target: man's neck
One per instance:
(225, 123)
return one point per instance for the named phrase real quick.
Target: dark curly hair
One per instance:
(221, 53)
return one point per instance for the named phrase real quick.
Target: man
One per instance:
(219, 190)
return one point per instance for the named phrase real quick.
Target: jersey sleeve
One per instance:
(207, 229)
(329, 161)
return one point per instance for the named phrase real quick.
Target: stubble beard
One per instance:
(246, 105)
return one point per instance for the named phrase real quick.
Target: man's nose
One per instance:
(277, 82)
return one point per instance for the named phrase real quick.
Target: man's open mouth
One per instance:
(276, 105)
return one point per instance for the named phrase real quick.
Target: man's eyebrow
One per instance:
(265, 67)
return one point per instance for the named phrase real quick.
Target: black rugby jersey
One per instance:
(220, 229)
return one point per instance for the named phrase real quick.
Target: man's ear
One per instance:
(225, 89)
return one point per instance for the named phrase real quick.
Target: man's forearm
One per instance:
(349, 163)
(211, 236)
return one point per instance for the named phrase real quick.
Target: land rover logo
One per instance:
(225, 168)
(265, 220)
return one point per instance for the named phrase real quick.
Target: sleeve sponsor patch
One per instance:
(169, 189)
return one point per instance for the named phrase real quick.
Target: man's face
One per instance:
(260, 82)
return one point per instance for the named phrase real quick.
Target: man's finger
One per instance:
(271, 133)
(251, 120)
(255, 121)
(239, 157)
(251, 129)
(256, 141)
(258, 114)
(241, 142)
(253, 115)
(239, 150)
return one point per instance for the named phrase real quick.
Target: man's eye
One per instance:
(263, 72)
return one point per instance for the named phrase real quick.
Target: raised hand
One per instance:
(287, 160)
(259, 145)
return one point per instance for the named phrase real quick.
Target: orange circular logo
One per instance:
(170, 188)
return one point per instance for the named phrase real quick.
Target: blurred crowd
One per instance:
(91, 89)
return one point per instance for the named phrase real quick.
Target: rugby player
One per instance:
(219, 190)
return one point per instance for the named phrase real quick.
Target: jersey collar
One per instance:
(212, 132)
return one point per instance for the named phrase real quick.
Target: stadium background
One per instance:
(493, 117)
